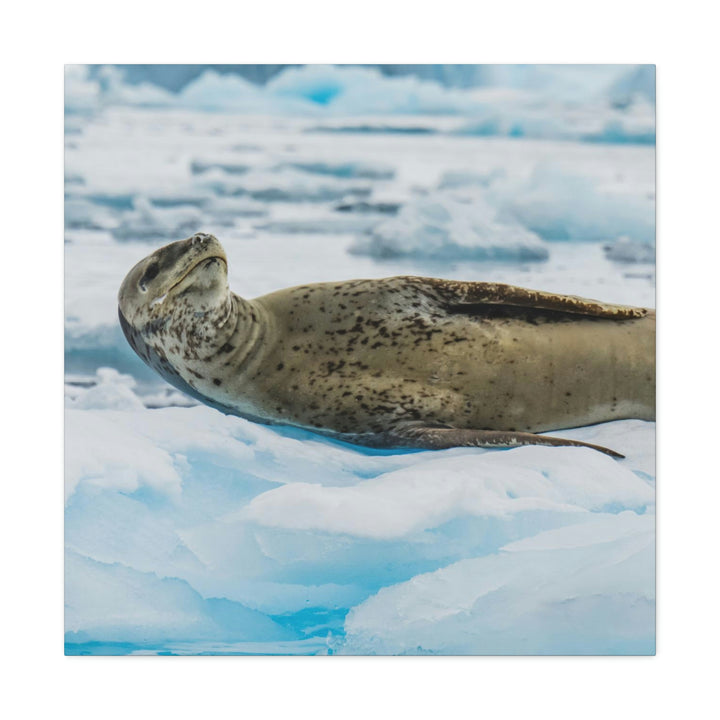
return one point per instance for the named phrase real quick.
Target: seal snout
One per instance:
(202, 245)
(202, 239)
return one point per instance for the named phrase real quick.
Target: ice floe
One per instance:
(446, 227)
(192, 510)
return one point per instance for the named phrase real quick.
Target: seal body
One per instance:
(395, 362)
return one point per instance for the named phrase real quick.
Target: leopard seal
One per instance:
(399, 362)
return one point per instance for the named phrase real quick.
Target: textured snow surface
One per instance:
(191, 532)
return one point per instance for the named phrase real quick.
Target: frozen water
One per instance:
(188, 531)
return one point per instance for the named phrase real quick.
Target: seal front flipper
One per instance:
(468, 297)
(441, 438)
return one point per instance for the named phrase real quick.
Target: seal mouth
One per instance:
(193, 268)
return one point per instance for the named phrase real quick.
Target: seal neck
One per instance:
(231, 334)
(248, 336)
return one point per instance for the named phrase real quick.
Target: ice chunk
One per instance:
(322, 225)
(113, 603)
(374, 128)
(352, 90)
(626, 251)
(284, 185)
(366, 170)
(111, 390)
(583, 589)
(445, 227)
(82, 94)
(148, 222)
(363, 207)
(228, 208)
(83, 214)
(464, 178)
(115, 91)
(637, 84)
(212, 92)
(558, 205)
(202, 165)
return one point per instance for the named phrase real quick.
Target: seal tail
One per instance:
(433, 438)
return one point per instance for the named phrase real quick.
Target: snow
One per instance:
(191, 532)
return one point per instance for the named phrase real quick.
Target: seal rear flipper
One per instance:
(468, 297)
(441, 438)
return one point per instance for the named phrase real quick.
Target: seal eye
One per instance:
(150, 274)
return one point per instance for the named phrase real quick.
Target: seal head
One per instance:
(196, 267)
(174, 301)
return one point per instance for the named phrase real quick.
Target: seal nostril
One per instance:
(199, 238)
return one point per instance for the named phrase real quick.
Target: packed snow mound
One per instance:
(586, 589)
(446, 227)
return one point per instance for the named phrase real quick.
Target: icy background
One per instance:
(191, 532)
